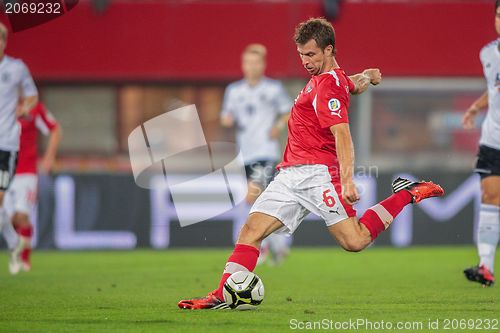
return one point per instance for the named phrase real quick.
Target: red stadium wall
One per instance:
(202, 40)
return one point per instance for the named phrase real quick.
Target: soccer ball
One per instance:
(243, 291)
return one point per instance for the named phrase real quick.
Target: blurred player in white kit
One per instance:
(259, 108)
(488, 161)
(18, 95)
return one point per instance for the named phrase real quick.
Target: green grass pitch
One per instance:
(138, 291)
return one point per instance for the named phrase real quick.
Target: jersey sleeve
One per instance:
(351, 84)
(282, 100)
(482, 56)
(44, 120)
(27, 85)
(488, 52)
(330, 103)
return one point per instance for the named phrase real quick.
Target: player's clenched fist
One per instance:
(374, 74)
(350, 193)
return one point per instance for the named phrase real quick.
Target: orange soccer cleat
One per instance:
(480, 274)
(208, 302)
(418, 190)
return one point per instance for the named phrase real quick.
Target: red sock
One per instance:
(243, 258)
(25, 254)
(379, 217)
(25, 231)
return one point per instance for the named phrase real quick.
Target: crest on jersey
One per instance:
(309, 89)
(334, 106)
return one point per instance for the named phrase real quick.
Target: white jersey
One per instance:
(490, 58)
(254, 110)
(15, 81)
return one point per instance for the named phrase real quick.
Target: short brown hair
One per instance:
(3, 31)
(318, 29)
(256, 48)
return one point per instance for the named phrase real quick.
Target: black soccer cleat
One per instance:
(419, 190)
(480, 274)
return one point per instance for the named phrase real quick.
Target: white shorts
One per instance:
(298, 190)
(22, 194)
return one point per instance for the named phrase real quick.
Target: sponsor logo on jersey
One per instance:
(334, 106)
(309, 89)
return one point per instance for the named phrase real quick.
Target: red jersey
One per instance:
(39, 119)
(321, 104)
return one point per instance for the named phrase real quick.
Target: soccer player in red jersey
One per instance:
(21, 196)
(316, 174)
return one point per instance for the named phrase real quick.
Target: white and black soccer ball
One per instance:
(243, 291)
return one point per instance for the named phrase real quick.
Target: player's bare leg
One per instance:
(274, 248)
(351, 235)
(24, 228)
(354, 235)
(488, 232)
(11, 238)
(253, 192)
(254, 189)
(258, 227)
(243, 258)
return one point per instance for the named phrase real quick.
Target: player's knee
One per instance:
(352, 244)
(353, 247)
(21, 220)
(490, 196)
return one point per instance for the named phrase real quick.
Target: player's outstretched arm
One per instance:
(50, 153)
(345, 155)
(361, 83)
(374, 74)
(473, 110)
(363, 80)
